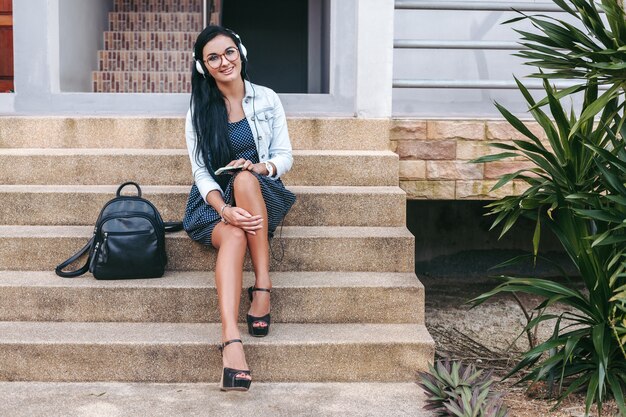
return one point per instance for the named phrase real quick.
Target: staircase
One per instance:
(148, 47)
(347, 309)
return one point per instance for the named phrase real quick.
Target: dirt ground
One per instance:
(488, 334)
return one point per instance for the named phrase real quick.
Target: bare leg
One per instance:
(248, 196)
(231, 244)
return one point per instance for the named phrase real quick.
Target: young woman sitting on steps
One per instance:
(234, 123)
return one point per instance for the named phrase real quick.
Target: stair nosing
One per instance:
(92, 333)
(174, 151)
(167, 189)
(204, 279)
(339, 232)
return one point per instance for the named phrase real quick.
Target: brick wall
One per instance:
(435, 155)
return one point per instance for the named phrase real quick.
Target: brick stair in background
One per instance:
(147, 48)
(347, 308)
(166, 6)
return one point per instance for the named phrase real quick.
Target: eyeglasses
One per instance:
(215, 60)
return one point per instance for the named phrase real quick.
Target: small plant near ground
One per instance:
(457, 390)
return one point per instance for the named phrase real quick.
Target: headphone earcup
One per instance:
(244, 51)
(199, 67)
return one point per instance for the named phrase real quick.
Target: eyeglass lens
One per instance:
(214, 60)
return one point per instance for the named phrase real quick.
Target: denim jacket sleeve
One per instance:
(267, 120)
(280, 146)
(201, 175)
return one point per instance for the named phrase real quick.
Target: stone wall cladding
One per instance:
(435, 158)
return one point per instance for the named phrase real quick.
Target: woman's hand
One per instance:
(249, 166)
(240, 218)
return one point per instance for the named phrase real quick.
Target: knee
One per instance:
(235, 236)
(245, 181)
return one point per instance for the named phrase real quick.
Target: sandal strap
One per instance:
(239, 371)
(228, 342)
(261, 289)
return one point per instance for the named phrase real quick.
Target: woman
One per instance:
(236, 124)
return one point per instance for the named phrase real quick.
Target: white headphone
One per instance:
(242, 49)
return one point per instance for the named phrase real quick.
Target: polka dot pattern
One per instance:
(200, 218)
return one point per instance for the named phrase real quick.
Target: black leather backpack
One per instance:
(128, 241)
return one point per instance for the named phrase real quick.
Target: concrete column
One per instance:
(36, 52)
(374, 58)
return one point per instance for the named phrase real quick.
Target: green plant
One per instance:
(456, 390)
(576, 188)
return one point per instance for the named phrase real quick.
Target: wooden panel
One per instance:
(6, 45)
(6, 6)
(6, 52)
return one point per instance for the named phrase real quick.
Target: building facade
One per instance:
(434, 68)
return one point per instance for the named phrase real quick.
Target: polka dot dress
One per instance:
(201, 218)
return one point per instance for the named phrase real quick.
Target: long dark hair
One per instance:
(208, 110)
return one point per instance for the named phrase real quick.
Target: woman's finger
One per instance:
(236, 162)
(241, 212)
(250, 223)
(246, 220)
(251, 229)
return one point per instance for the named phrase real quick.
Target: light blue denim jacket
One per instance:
(266, 117)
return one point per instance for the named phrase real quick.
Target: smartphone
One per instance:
(228, 170)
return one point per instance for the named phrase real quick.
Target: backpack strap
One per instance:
(71, 274)
(171, 227)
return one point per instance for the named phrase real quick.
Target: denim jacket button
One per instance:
(246, 100)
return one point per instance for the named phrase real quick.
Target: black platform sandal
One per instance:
(258, 331)
(233, 379)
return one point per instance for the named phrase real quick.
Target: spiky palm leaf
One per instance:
(577, 189)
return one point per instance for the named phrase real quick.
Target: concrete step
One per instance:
(22, 166)
(150, 61)
(166, 352)
(155, 22)
(108, 399)
(163, 6)
(147, 41)
(141, 82)
(168, 132)
(303, 297)
(315, 206)
(373, 249)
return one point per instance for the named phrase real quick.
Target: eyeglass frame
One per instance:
(223, 56)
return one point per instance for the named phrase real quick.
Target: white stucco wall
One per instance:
(46, 65)
(459, 64)
(56, 43)
(81, 24)
(375, 58)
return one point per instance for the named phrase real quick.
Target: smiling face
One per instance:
(216, 54)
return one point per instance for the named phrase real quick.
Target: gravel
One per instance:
(490, 335)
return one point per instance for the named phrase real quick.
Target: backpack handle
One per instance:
(80, 271)
(119, 190)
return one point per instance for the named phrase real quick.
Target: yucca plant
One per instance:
(577, 190)
(457, 390)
